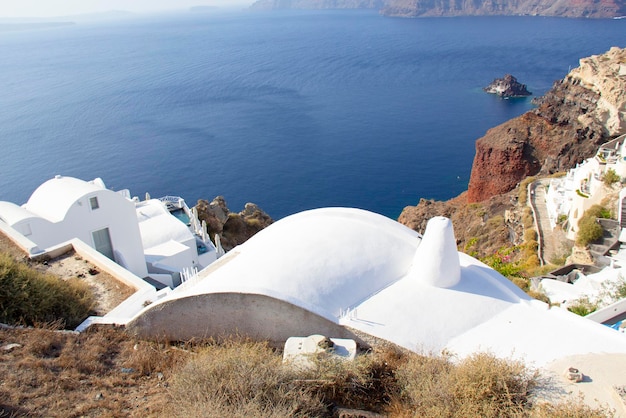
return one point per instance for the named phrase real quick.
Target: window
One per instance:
(93, 203)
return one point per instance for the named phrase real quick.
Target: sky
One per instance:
(50, 8)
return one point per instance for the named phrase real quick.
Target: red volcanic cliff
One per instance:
(577, 115)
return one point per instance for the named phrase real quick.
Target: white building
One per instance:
(331, 271)
(583, 186)
(142, 237)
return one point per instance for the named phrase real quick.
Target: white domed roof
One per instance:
(324, 260)
(53, 199)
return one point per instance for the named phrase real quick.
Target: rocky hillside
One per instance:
(563, 8)
(317, 4)
(580, 112)
(417, 8)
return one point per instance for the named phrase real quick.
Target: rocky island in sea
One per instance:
(507, 86)
(431, 8)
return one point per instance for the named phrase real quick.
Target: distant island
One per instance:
(507, 86)
(432, 8)
(6, 27)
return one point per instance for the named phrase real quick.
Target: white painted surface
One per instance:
(59, 210)
(359, 269)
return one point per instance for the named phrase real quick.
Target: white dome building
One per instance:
(330, 271)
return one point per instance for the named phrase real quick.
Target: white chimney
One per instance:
(436, 261)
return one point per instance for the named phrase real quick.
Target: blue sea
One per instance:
(290, 110)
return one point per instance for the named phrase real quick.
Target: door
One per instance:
(102, 242)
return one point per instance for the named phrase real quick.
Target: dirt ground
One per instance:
(108, 291)
(98, 373)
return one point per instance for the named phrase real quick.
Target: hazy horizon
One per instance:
(47, 8)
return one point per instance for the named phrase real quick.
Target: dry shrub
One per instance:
(29, 297)
(521, 282)
(240, 379)
(530, 235)
(367, 383)
(539, 296)
(527, 218)
(481, 385)
(569, 409)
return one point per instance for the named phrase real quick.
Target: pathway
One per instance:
(553, 242)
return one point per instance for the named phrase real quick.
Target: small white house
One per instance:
(143, 237)
(583, 186)
(64, 208)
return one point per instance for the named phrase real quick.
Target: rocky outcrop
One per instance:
(562, 8)
(579, 113)
(507, 86)
(233, 228)
(418, 8)
(480, 228)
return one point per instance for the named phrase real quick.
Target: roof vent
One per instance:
(436, 261)
(58, 176)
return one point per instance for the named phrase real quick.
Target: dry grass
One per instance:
(479, 386)
(29, 297)
(104, 372)
(237, 380)
(97, 373)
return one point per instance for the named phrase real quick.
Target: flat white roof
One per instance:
(158, 226)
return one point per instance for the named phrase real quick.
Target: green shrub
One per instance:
(598, 211)
(582, 307)
(588, 231)
(610, 177)
(29, 297)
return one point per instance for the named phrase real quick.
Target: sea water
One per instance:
(290, 110)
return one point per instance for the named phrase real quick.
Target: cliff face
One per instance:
(416, 8)
(564, 8)
(233, 228)
(579, 113)
(317, 4)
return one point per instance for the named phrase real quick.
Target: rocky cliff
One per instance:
(563, 8)
(233, 228)
(579, 113)
(417, 8)
(317, 4)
